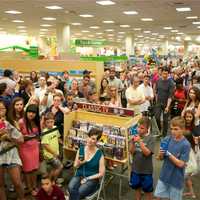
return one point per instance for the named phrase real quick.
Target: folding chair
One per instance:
(96, 195)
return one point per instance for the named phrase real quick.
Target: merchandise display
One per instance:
(114, 140)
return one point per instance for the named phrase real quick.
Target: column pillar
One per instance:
(166, 47)
(129, 44)
(186, 45)
(63, 38)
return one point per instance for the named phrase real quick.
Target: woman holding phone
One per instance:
(90, 167)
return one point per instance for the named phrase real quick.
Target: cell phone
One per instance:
(81, 157)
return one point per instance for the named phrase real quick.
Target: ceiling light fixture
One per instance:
(180, 33)
(21, 26)
(140, 36)
(49, 18)
(167, 28)
(137, 29)
(99, 33)
(147, 31)
(187, 38)
(13, 12)
(155, 34)
(196, 23)
(43, 29)
(146, 19)
(94, 27)
(192, 17)
(85, 31)
(45, 25)
(121, 32)
(198, 39)
(105, 3)
(18, 21)
(174, 31)
(184, 9)
(22, 31)
(108, 22)
(125, 26)
(54, 7)
(76, 24)
(109, 30)
(86, 15)
(130, 12)
(111, 35)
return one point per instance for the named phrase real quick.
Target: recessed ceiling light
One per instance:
(140, 36)
(161, 36)
(187, 38)
(21, 26)
(1, 28)
(154, 33)
(146, 19)
(22, 31)
(105, 3)
(198, 39)
(111, 35)
(78, 34)
(99, 33)
(45, 25)
(180, 33)
(109, 30)
(91, 35)
(76, 24)
(198, 26)
(43, 29)
(108, 22)
(54, 7)
(121, 32)
(86, 15)
(147, 31)
(13, 12)
(167, 28)
(125, 26)
(94, 27)
(18, 21)
(137, 29)
(184, 9)
(120, 36)
(85, 31)
(130, 12)
(49, 18)
(100, 37)
(174, 31)
(192, 17)
(196, 23)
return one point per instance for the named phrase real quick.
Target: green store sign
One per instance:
(90, 42)
(103, 58)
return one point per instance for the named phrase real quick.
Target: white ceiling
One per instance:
(162, 11)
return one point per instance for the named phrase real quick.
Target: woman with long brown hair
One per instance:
(16, 111)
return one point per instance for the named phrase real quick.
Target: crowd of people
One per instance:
(35, 104)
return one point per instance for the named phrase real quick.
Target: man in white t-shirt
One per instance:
(148, 93)
(134, 95)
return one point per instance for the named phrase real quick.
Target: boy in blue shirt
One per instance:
(174, 150)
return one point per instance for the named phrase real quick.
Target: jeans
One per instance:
(159, 109)
(78, 191)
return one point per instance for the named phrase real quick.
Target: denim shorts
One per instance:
(9, 165)
(143, 181)
(164, 190)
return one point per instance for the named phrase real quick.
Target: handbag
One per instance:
(191, 167)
